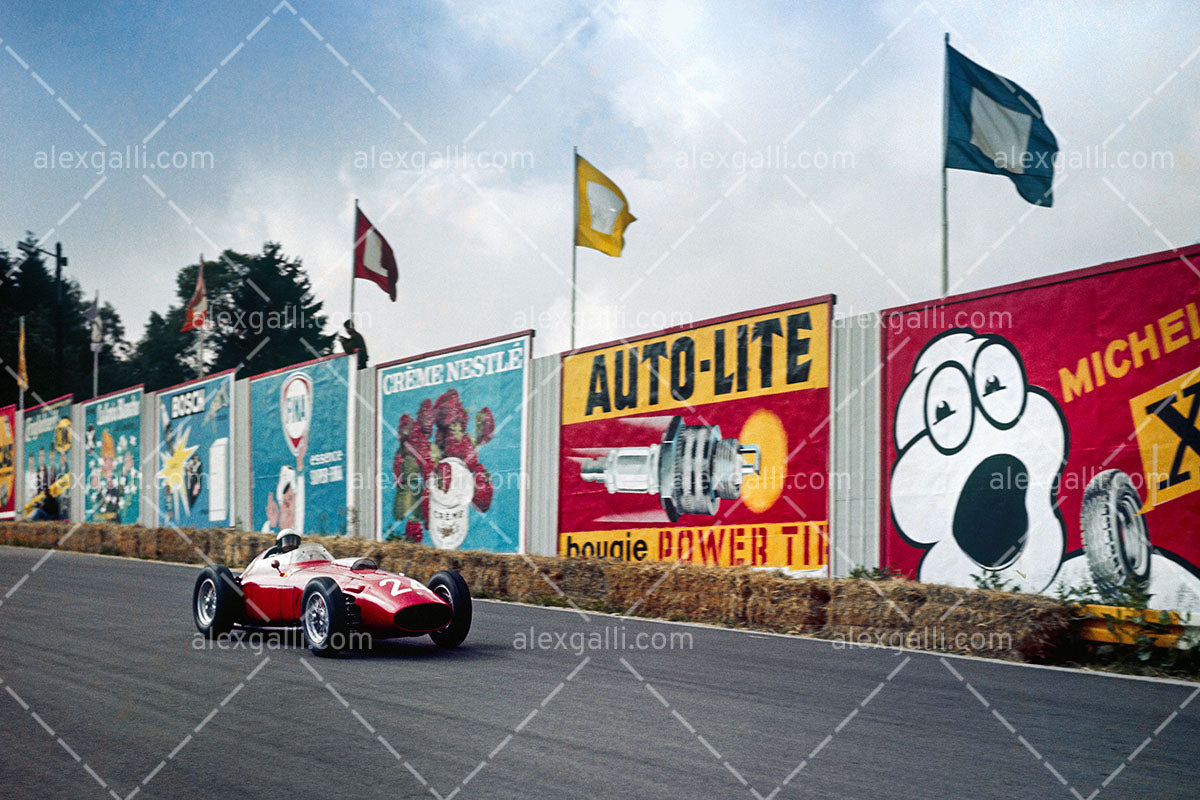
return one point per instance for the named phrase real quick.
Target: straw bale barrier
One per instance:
(893, 613)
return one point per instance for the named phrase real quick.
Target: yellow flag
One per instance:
(603, 212)
(22, 373)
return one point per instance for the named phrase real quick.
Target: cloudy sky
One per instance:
(770, 151)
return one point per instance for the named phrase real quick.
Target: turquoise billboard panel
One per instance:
(112, 457)
(301, 419)
(195, 457)
(451, 447)
(48, 457)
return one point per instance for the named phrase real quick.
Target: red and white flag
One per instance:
(197, 308)
(373, 257)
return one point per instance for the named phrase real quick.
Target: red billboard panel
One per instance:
(706, 443)
(1044, 435)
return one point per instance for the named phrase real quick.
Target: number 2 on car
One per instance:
(397, 587)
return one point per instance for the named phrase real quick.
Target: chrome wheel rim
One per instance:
(206, 602)
(316, 619)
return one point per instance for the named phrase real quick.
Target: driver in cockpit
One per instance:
(285, 546)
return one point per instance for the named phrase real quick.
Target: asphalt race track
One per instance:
(106, 694)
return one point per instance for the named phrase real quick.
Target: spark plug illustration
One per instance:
(691, 470)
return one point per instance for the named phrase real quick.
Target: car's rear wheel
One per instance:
(451, 587)
(216, 601)
(323, 617)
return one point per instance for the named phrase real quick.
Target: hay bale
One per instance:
(788, 605)
(857, 603)
(130, 542)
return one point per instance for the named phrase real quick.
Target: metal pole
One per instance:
(58, 265)
(20, 385)
(353, 259)
(945, 151)
(574, 228)
(96, 341)
(200, 366)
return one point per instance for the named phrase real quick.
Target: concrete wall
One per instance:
(545, 400)
(854, 471)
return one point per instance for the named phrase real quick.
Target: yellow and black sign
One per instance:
(796, 546)
(1168, 433)
(772, 353)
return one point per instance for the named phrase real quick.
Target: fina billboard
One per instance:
(302, 446)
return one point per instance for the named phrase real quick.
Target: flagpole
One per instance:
(200, 347)
(574, 230)
(353, 263)
(25, 371)
(945, 152)
(96, 350)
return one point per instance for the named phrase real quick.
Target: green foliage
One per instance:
(262, 316)
(875, 573)
(1141, 656)
(993, 582)
(265, 316)
(58, 350)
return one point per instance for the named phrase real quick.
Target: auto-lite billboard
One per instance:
(301, 446)
(1044, 435)
(451, 446)
(195, 458)
(707, 443)
(8, 455)
(112, 457)
(48, 456)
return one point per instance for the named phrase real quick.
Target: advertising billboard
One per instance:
(195, 460)
(1043, 436)
(112, 457)
(706, 443)
(451, 446)
(8, 455)
(48, 459)
(302, 446)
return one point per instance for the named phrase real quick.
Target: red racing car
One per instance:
(331, 600)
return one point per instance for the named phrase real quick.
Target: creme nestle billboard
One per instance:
(1043, 436)
(707, 443)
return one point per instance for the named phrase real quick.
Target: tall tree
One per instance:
(158, 358)
(273, 319)
(27, 288)
(261, 316)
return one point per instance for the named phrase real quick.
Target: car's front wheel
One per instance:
(216, 601)
(451, 587)
(323, 617)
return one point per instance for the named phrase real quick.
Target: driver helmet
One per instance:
(288, 540)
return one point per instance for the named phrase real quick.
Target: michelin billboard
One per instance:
(301, 446)
(1043, 436)
(707, 443)
(451, 446)
(194, 481)
(112, 457)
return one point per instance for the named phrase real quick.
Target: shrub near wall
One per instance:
(895, 613)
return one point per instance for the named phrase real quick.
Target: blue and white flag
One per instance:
(995, 126)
